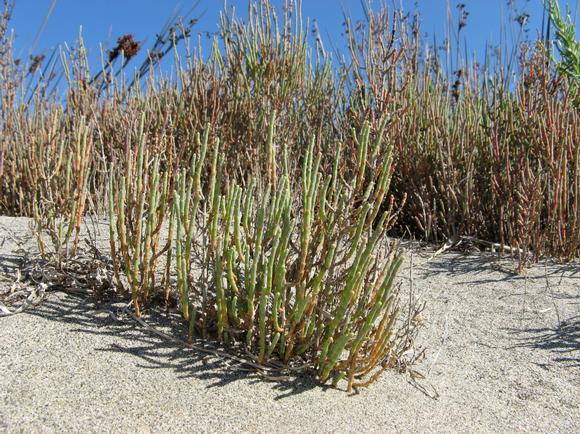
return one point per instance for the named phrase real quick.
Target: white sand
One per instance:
(503, 354)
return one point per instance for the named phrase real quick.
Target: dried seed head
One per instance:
(127, 45)
(35, 63)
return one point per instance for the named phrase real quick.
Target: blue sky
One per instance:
(104, 21)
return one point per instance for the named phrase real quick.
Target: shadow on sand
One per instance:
(155, 352)
(485, 268)
(563, 340)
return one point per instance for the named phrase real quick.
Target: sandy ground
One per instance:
(503, 355)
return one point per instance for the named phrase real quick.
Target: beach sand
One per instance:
(503, 355)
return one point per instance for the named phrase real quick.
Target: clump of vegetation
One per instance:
(292, 268)
(256, 188)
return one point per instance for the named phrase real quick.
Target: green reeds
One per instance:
(186, 203)
(138, 210)
(298, 280)
(568, 47)
(61, 196)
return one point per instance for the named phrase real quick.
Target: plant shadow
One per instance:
(493, 268)
(10, 264)
(562, 340)
(156, 352)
